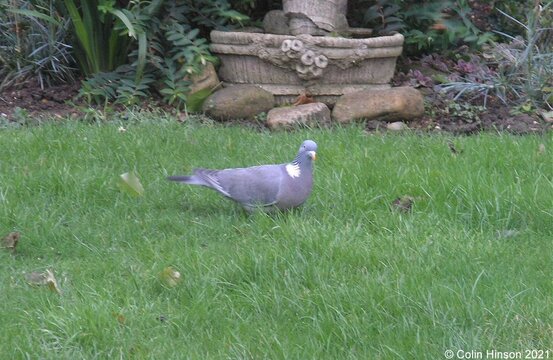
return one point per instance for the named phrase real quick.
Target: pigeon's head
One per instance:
(308, 149)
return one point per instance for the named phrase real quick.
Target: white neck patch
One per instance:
(293, 170)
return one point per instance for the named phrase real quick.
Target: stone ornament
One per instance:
(306, 55)
(307, 63)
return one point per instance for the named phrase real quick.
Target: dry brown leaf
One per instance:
(120, 318)
(52, 282)
(439, 26)
(182, 117)
(403, 203)
(302, 99)
(36, 278)
(452, 148)
(170, 277)
(10, 241)
(44, 278)
(547, 116)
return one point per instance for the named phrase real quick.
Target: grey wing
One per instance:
(203, 177)
(253, 186)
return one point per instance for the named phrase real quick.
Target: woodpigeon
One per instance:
(266, 187)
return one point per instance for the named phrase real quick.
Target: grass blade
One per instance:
(35, 14)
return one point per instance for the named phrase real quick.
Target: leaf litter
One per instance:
(45, 278)
(130, 183)
(10, 241)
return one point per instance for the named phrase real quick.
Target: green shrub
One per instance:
(384, 17)
(169, 46)
(526, 65)
(33, 43)
(428, 26)
(515, 8)
(522, 65)
(442, 25)
(103, 34)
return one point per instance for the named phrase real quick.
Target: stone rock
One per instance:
(207, 79)
(396, 126)
(238, 102)
(307, 114)
(395, 104)
(276, 22)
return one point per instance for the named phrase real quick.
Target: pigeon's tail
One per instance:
(202, 177)
(192, 180)
(179, 178)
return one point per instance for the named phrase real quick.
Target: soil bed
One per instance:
(61, 102)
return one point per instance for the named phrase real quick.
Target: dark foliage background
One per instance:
(126, 51)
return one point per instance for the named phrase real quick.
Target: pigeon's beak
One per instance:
(312, 155)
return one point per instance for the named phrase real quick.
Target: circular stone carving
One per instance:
(321, 61)
(302, 69)
(308, 57)
(286, 45)
(310, 64)
(292, 54)
(297, 45)
(317, 72)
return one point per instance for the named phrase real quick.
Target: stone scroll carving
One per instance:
(310, 56)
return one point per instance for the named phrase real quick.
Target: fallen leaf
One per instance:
(182, 117)
(302, 99)
(44, 278)
(36, 278)
(195, 101)
(52, 282)
(403, 203)
(439, 26)
(10, 241)
(547, 116)
(452, 148)
(120, 318)
(129, 183)
(170, 277)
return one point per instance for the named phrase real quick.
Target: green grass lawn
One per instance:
(344, 277)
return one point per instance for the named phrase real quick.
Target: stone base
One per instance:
(327, 94)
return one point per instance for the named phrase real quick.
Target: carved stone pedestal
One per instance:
(322, 66)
